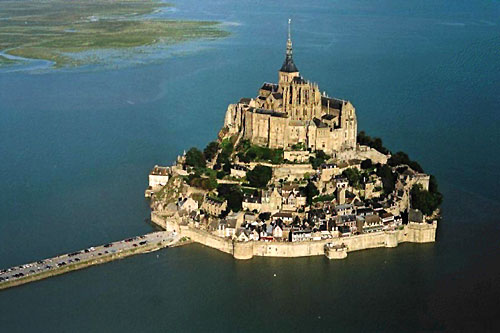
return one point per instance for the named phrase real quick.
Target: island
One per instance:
(289, 175)
(60, 30)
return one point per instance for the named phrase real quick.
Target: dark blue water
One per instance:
(76, 147)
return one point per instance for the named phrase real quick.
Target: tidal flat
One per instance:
(55, 30)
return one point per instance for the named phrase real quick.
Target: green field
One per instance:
(53, 29)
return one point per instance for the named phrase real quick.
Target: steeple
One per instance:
(288, 64)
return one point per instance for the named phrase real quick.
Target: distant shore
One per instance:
(62, 32)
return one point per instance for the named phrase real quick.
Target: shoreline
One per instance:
(410, 233)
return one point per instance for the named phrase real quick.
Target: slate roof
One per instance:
(334, 103)
(288, 65)
(272, 87)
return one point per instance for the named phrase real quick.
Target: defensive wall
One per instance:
(413, 233)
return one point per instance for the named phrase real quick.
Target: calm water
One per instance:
(76, 147)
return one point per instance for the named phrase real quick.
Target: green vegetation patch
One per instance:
(253, 153)
(323, 198)
(6, 62)
(375, 143)
(259, 176)
(426, 201)
(50, 29)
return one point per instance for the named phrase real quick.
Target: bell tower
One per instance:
(288, 70)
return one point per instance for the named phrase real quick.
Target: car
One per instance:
(48, 267)
(77, 259)
(143, 242)
(108, 245)
(99, 254)
(86, 250)
(135, 244)
(32, 271)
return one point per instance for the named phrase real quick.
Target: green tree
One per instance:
(259, 176)
(211, 150)
(433, 186)
(195, 158)
(353, 175)
(388, 178)
(403, 158)
(233, 194)
(375, 143)
(367, 164)
(311, 191)
(425, 201)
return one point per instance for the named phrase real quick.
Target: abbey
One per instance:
(293, 113)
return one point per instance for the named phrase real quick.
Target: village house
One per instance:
(277, 232)
(187, 204)
(300, 235)
(158, 177)
(348, 221)
(213, 206)
(285, 217)
(345, 209)
(242, 235)
(238, 170)
(251, 203)
(372, 223)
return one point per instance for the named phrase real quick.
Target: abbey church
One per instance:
(293, 112)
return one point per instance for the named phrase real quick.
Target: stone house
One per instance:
(158, 177)
(251, 202)
(344, 209)
(300, 235)
(277, 232)
(238, 170)
(213, 206)
(187, 204)
(285, 217)
(372, 223)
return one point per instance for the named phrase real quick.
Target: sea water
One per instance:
(76, 147)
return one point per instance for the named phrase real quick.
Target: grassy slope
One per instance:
(45, 29)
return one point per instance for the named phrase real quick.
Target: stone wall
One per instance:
(292, 171)
(413, 233)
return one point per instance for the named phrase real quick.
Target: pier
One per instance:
(61, 264)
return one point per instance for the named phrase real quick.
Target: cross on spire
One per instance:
(289, 29)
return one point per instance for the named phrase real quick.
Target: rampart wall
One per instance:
(413, 233)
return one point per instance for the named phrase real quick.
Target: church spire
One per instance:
(288, 64)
